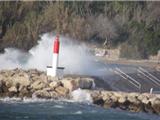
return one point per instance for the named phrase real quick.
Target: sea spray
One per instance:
(13, 58)
(80, 95)
(75, 57)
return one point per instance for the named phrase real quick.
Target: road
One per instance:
(128, 78)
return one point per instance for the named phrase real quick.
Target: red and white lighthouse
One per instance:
(52, 70)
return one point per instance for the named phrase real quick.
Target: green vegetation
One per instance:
(133, 25)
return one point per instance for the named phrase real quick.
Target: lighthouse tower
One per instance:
(52, 70)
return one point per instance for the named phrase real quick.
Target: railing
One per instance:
(127, 77)
(132, 80)
(149, 76)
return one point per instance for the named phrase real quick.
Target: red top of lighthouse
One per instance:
(56, 45)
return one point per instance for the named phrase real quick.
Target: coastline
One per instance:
(33, 83)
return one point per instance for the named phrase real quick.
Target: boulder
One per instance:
(143, 98)
(106, 94)
(73, 84)
(155, 103)
(13, 89)
(122, 99)
(8, 83)
(114, 98)
(134, 108)
(1, 77)
(85, 83)
(69, 84)
(1, 86)
(62, 90)
(48, 89)
(133, 100)
(24, 92)
(110, 101)
(43, 78)
(54, 84)
(38, 85)
(23, 80)
(46, 94)
(95, 94)
(42, 94)
(54, 95)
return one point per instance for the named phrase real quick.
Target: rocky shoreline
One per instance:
(28, 83)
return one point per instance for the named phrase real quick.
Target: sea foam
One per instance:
(80, 95)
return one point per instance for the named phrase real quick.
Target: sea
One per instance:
(41, 109)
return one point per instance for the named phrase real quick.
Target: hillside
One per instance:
(132, 25)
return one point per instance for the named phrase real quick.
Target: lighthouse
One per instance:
(53, 70)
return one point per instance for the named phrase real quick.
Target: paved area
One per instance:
(130, 78)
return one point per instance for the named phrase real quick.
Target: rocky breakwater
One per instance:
(135, 102)
(34, 83)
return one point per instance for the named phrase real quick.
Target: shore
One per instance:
(33, 83)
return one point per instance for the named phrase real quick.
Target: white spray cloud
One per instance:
(12, 58)
(73, 56)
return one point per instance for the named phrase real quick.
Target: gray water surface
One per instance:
(59, 110)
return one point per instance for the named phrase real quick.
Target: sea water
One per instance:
(29, 109)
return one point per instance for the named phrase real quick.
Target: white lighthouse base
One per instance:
(51, 72)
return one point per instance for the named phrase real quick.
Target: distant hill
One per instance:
(135, 26)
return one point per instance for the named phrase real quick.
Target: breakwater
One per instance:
(33, 83)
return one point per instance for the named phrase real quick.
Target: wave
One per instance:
(78, 112)
(80, 95)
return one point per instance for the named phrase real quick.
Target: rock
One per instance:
(147, 107)
(48, 89)
(106, 94)
(97, 98)
(114, 98)
(134, 108)
(122, 99)
(24, 92)
(12, 89)
(62, 90)
(69, 84)
(38, 85)
(85, 83)
(143, 98)
(95, 95)
(101, 98)
(73, 84)
(23, 80)
(20, 83)
(110, 101)
(46, 94)
(8, 83)
(133, 100)
(54, 95)
(54, 84)
(1, 77)
(43, 78)
(106, 97)
(155, 103)
(1, 86)
(7, 73)
(42, 94)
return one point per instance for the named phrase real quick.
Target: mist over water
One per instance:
(75, 57)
